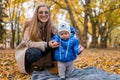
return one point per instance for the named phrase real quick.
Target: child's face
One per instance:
(64, 35)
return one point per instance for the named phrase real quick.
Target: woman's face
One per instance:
(43, 14)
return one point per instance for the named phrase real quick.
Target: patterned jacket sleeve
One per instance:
(76, 44)
(56, 38)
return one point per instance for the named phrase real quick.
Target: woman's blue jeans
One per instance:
(32, 55)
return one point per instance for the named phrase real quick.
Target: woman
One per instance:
(35, 48)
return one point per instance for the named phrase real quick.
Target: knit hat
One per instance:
(63, 26)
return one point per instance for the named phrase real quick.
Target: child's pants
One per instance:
(65, 69)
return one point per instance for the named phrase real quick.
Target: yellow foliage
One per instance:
(107, 60)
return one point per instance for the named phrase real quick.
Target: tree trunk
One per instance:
(85, 31)
(103, 39)
(84, 36)
(94, 42)
(12, 40)
(78, 33)
(13, 36)
(103, 42)
(18, 34)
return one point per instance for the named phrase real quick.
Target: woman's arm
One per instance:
(42, 45)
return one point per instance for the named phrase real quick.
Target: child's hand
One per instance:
(80, 48)
(53, 44)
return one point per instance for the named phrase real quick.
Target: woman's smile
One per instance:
(43, 14)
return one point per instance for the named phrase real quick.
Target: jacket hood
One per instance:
(72, 31)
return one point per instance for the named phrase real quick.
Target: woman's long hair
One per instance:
(34, 26)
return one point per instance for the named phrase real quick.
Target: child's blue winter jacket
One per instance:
(68, 49)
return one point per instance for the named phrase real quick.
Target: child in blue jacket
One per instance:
(68, 49)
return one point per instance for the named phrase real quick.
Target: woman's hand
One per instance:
(53, 44)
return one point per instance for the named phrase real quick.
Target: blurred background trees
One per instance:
(97, 22)
(2, 16)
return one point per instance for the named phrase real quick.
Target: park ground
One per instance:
(105, 59)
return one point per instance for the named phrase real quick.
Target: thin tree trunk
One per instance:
(73, 20)
(94, 42)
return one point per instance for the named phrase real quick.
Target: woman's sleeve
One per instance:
(42, 45)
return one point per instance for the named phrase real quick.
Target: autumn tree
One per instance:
(108, 20)
(15, 11)
(100, 14)
(2, 23)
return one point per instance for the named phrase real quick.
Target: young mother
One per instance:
(35, 48)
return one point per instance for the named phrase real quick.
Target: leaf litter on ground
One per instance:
(105, 59)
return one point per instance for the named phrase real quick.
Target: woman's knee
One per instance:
(33, 54)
